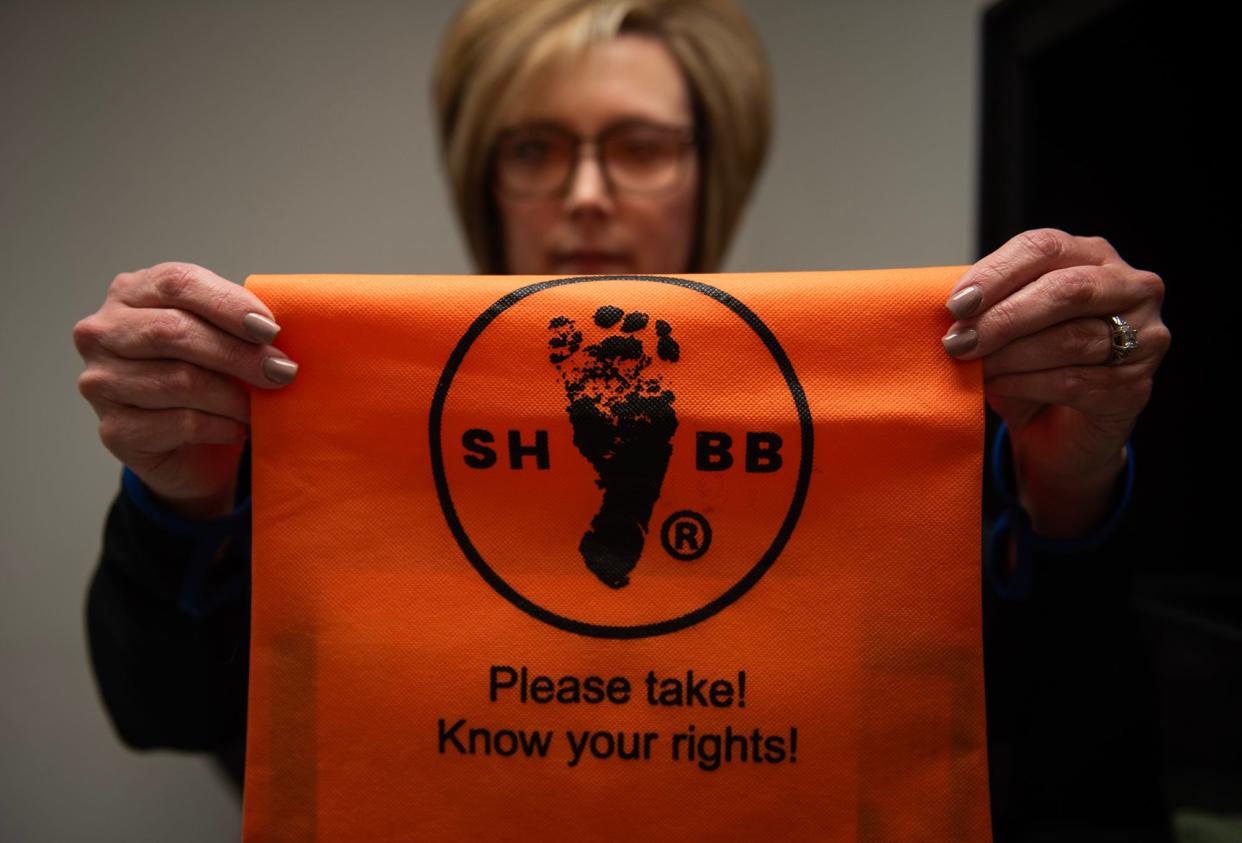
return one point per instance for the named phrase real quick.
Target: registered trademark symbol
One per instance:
(686, 535)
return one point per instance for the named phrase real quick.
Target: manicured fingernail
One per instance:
(260, 327)
(958, 343)
(280, 370)
(965, 302)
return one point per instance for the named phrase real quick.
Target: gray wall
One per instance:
(296, 137)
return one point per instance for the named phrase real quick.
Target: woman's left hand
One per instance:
(1036, 311)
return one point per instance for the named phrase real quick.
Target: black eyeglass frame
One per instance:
(688, 137)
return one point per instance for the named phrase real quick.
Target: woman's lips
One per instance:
(590, 263)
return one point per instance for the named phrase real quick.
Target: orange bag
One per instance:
(617, 559)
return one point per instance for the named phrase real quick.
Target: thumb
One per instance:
(1015, 412)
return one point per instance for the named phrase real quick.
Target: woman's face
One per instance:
(588, 227)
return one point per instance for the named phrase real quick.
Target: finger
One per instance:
(1081, 342)
(1078, 342)
(129, 431)
(163, 384)
(154, 333)
(1106, 393)
(186, 286)
(1059, 296)
(1024, 258)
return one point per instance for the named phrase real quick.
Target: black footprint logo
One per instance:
(623, 422)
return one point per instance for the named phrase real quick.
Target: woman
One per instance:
(622, 136)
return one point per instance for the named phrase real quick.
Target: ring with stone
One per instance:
(1124, 339)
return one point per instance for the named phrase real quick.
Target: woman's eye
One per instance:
(530, 151)
(641, 150)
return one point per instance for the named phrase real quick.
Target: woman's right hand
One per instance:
(165, 357)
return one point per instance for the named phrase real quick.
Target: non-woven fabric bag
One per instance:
(617, 558)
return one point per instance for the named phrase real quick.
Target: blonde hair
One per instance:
(494, 49)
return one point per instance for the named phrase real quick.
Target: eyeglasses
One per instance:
(634, 157)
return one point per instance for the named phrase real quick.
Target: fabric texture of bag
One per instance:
(617, 558)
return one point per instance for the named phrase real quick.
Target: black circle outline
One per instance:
(693, 516)
(641, 630)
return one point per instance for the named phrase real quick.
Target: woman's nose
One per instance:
(588, 186)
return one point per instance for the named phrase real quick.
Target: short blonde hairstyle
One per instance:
(496, 48)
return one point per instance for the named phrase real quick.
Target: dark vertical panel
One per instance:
(1106, 117)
